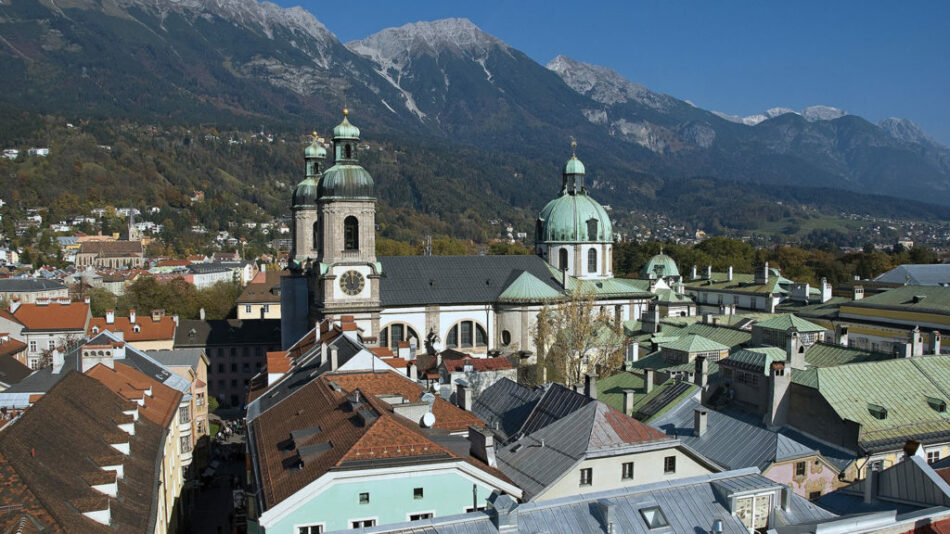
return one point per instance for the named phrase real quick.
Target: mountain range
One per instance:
(445, 84)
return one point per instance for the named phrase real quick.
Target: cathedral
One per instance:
(474, 304)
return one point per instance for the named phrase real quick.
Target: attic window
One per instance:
(918, 298)
(653, 517)
(877, 411)
(937, 404)
(95, 330)
(136, 329)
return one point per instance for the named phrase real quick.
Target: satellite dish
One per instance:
(429, 399)
(428, 420)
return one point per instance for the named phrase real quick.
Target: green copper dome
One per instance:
(346, 181)
(574, 218)
(660, 266)
(574, 166)
(306, 192)
(345, 130)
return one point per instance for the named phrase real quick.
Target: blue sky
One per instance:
(874, 59)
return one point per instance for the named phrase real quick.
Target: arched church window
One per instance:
(592, 229)
(351, 233)
(347, 151)
(466, 334)
(391, 335)
(316, 235)
(592, 260)
(562, 259)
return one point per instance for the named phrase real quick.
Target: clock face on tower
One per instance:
(352, 282)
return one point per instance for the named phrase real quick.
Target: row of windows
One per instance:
(245, 367)
(564, 264)
(626, 471)
(743, 377)
(463, 334)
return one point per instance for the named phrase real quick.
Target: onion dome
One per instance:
(346, 180)
(574, 217)
(315, 149)
(306, 192)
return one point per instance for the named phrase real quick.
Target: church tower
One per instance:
(304, 207)
(347, 271)
(573, 231)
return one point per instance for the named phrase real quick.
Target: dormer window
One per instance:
(592, 229)
(754, 511)
(95, 330)
(136, 329)
(938, 405)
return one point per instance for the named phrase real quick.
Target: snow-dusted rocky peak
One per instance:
(603, 84)
(265, 15)
(396, 45)
(822, 113)
(906, 130)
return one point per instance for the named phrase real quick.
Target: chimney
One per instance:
(841, 333)
(412, 371)
(858, 292)
(14, 304)
(825, 290)
(132, 315)
(633, 352)
(916, 342)
(59, 359)
(87, 299)
(201, 314)
(709, 272)
(648, 380)
(628, 402)
(766, 272)
(590, 385)
(463, 395)
(729, 273)
(110, 316)
(482, 445)
(334, 358)
(780, 377)
(700, 418)
(505, 514)
(935, 342)
(794, 350)
(701, 374)
(607, 512)
(693, 275)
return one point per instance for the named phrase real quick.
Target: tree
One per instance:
(576, 337)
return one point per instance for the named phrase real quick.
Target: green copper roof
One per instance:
(660, 266)
(306, 192)
(694, 343)
(610, 391)
(527, 288)
(345, 130)
(670, 296)
(910, 298)
(574, 166)
(347, 181)
(829, 355)
(856, 392)
(788, 320)
(759, 357)
(573, 218)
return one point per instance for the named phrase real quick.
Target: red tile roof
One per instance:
(278, 362)
(149, 330)
(72, 316)
(447, 415)
(131, 384)
(11, 346)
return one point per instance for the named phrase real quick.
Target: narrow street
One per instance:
(212, 510)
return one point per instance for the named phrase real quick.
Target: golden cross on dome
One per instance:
(573, 147)
(314, 136)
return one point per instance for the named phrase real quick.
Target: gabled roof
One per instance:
(694, 343)
(24, 285)
(646, 406)
(528, 288)
(829, 354)
(63, 438)
(144, 328)
(130, 384)
(265, 291)
(788, 320)
(112, 249)
(190, 357)
(478, 364)
(934, 299)
(735, 439)
(909, 390)
(539, 459)
(327, 428)
(505, 405)
(917, 275)
(196, 333)
(53, 316)
(412, 280)
(11, 370)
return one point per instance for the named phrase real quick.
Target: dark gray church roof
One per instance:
(29, 284)
(505, 405)
(421, 280)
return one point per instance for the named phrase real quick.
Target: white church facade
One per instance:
(474, 304)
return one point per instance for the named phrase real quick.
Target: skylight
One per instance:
(877, 411)
(654, 518)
